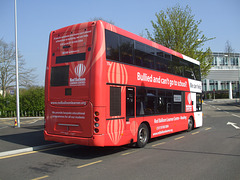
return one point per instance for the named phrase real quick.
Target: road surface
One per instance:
(209, 152)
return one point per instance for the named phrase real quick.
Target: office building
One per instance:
(224, 75)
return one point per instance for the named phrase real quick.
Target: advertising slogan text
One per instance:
(159, 80)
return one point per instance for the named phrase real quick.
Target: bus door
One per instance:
(194, 103)
(117, 97)
(190, 102)
(130, 103)
(131, 111)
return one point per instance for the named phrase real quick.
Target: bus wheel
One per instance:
(190, 124)
(143, 135)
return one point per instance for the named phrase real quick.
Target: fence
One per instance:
(22, 113)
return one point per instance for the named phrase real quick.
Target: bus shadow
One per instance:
(85, 152)
(32, 136)
(88, 152)
(153, 140)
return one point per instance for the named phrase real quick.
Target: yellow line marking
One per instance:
(31, 152)
(43, 177)
(129, 152)
(20, 154)
(158, 144)
(89, 164)
(179, 138)
(195, 133)
(207, 129)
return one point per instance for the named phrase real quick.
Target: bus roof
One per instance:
(128, 34)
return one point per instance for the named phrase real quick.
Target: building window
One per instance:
(223, 61)
(214, 62)
(234, 61)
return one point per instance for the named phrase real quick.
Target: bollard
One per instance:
(15, 123)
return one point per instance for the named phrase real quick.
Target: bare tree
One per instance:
(228, 50)
(228, 47)
(100, 18)
(7, 68)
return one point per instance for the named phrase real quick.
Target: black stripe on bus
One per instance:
(71, 58)
(116, 118)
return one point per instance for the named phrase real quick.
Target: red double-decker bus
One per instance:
(108, 87)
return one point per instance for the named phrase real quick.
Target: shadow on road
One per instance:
(196, 152)
(32, 135)
(21, 140)
(86, 152)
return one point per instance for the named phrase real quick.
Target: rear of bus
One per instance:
(69, 111)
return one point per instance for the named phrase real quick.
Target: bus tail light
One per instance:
(96, 124)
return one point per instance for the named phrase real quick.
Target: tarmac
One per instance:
(29, 137)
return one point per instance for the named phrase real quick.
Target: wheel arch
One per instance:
(149, 128)
(191, 126)
(192, 117)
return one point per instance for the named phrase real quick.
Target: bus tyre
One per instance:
(190, 124)
(143, 135)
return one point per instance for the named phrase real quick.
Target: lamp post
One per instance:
(230, 82)
(239, 79)
(16, 53)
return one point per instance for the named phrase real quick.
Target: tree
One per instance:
(7, 68)
(31, 102)
(32, 99)
(7, 105)
(177, 29)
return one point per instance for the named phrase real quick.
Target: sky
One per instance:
(37, 18)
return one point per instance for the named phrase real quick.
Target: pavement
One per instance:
(232, 102)
(29, 137)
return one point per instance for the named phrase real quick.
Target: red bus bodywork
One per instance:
(77, 90)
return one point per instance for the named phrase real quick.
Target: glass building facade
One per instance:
(225, 72)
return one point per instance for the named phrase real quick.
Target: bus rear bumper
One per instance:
(95, 140)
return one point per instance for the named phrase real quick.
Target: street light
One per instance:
(239, 78)
(230, 82)
(16, 53)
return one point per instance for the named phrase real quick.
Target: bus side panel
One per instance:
(167, 124)
(98, 68)
(116, 125)
(97, 90)
(47, 75)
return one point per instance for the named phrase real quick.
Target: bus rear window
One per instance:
(59, 76)
(71, 58)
